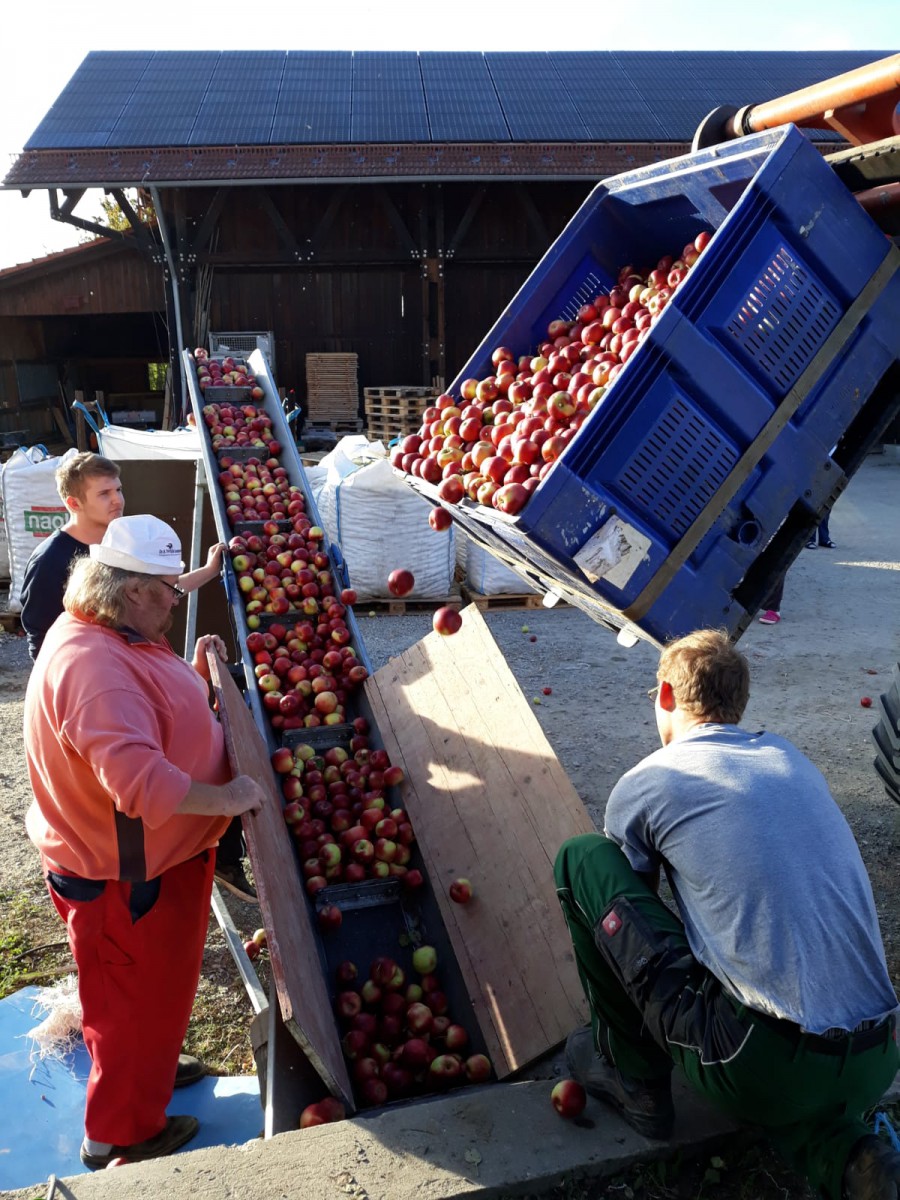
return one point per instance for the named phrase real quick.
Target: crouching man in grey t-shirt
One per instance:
(772, 992)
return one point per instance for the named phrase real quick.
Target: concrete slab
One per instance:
(478, 1142)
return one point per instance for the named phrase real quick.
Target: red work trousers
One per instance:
(137, 979)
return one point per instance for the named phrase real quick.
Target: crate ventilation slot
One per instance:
(590, 287)
(784, 319)
(679, 466)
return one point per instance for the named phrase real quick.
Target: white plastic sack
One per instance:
(4, 546)
(380, 524)
(488, 575)
(119, 443)
(32, 509)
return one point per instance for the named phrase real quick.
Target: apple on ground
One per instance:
(568, 1098)
(322, 1113)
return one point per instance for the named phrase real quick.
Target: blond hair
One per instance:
(97, 591)
(74, 473)
(708, 676)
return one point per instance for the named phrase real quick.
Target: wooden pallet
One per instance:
(10, 622)
(390, 606)
(505, 600)
(343, 425)
(397, 400)
(386, 431)
(332, 388)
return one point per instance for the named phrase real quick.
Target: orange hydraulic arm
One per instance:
(861, 105)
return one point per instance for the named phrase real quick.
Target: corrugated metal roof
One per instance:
(117, 100)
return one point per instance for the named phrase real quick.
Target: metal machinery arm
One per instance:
(863, 106)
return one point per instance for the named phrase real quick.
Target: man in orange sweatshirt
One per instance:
(132, 791)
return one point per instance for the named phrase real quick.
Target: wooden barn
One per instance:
(382, 205)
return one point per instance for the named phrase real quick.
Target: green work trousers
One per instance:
(808, 1097)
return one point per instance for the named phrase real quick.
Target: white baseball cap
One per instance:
(144, 545)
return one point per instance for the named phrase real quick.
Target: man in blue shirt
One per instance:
(771, 991)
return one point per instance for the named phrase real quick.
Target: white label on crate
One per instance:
(613, 553)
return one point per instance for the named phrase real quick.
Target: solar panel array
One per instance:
(252, 98)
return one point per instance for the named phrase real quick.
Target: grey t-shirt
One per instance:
(766, 873)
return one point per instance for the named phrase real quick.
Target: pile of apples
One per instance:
(257, 490)
(227, 372)
(503, 435)
(242, 426)
(338, 811)
(287, 573)
(306, 671)
(399, 1038)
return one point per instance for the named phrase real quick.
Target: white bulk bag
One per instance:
(489, 576)
(4, 546)
(32, 509)
(119, 443)
(381, 525)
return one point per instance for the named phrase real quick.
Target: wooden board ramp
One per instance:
(489, 802)
(293, 949)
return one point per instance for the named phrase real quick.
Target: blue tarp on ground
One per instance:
(43, 1103)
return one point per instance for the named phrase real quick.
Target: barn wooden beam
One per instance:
(468, 217)
(285, 234)
(208, 222)
(64, 214)
(138, 227)
(398, 224)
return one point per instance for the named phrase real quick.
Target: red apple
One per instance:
(460, 891)
(401, 582)
(568, 1098)
(439, 519)
(446, 621)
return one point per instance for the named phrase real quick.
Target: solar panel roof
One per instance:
(259, 98)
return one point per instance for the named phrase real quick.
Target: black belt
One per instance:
(864, 1037)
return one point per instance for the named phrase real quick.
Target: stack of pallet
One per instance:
(395, 411)
(332, 392)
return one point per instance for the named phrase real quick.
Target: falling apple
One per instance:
(329, 918)
(446, 621)
(401, 582)
(439, 519)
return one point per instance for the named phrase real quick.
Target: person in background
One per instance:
(770, 987)
(771, 606)
(91, 490)
(132, 791)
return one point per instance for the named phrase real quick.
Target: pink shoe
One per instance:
(770, 617)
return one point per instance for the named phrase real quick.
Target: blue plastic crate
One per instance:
(758, 328)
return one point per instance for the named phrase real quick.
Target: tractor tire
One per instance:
(886, 735)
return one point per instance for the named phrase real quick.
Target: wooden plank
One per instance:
(293, 948)
(490, 802)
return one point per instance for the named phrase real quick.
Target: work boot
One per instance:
(872, 1171)
(231, 877)
(173, 1135)
(188, 1071)
(646, 1104)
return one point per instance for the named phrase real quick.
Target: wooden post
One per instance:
(81, 440)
